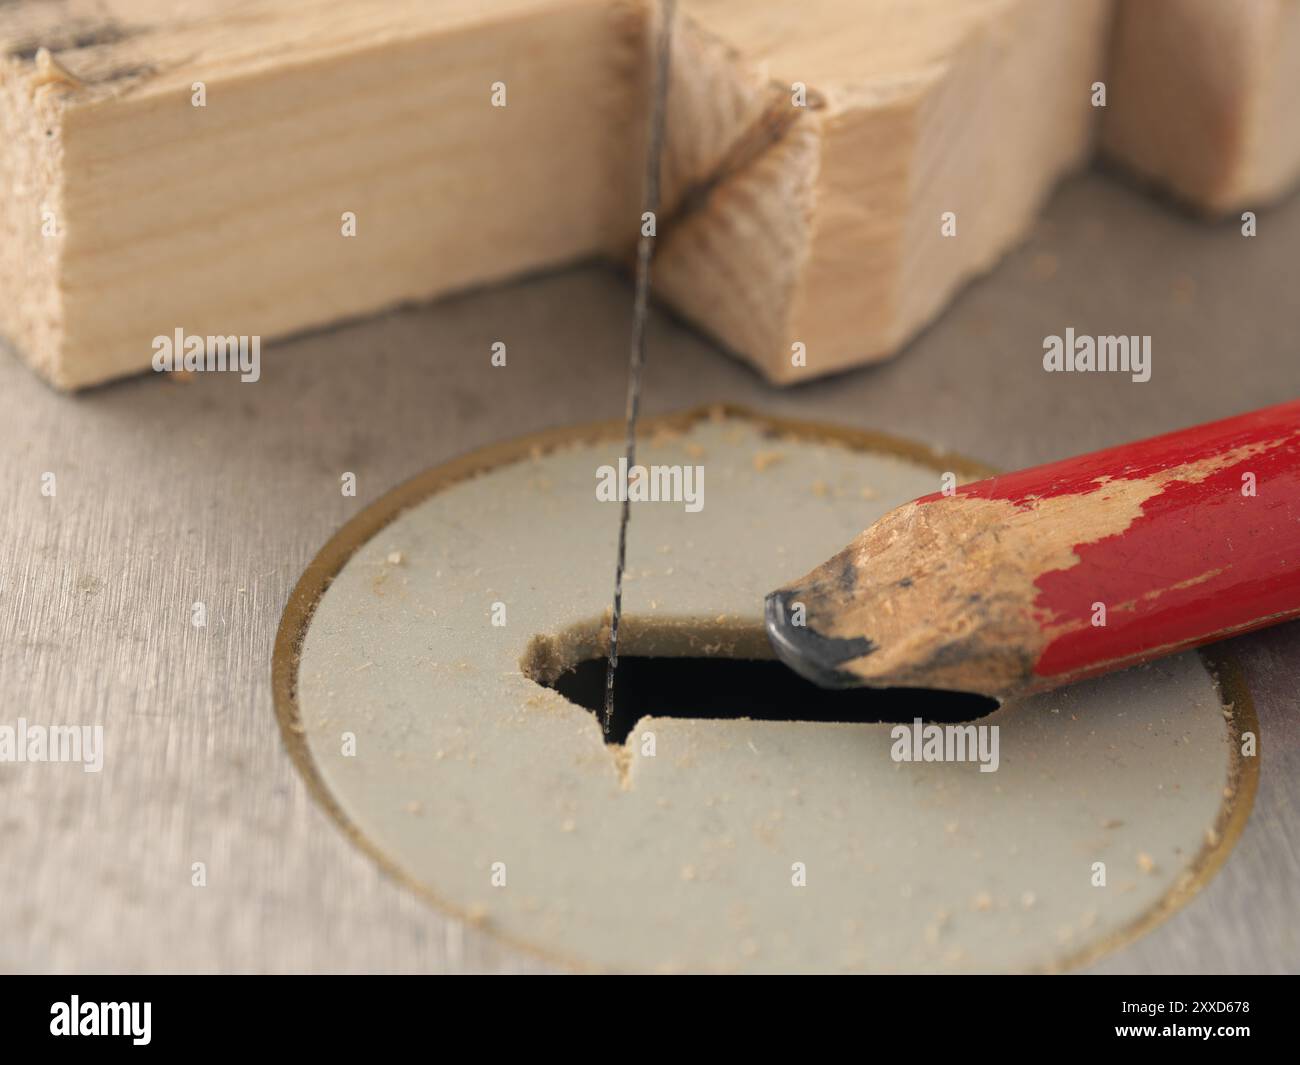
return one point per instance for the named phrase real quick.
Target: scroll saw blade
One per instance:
(640, 310)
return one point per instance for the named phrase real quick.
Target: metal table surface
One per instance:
(172, 492)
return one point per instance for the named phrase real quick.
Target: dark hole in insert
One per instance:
(763, 690)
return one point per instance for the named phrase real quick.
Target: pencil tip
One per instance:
(813, 656)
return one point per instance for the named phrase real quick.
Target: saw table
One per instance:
(172, 492)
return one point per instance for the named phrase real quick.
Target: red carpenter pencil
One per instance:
(1035, 579)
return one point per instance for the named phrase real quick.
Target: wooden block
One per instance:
(1202, 98)
(132, 213)
(826, 231)
(227, 219)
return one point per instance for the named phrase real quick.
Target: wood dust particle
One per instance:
(1044, 266)
(765, 459)
(1145, 862)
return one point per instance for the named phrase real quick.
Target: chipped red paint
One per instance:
(1202, 561)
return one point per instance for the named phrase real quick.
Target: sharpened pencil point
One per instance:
(809, 653)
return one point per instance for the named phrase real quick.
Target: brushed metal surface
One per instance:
(170, 493)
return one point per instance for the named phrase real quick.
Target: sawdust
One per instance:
(547, 656)
(48, 71)
(1044, 266)
(623, 765)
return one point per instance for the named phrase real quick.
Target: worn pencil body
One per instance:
(1034, 579)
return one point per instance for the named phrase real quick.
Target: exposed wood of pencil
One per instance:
(1035, 579)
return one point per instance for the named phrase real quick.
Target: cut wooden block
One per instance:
(133, 213)
(1203, 98)
(827, 232)
(227, 219)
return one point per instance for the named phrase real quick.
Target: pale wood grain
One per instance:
(1204, 99)
(817, 224)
